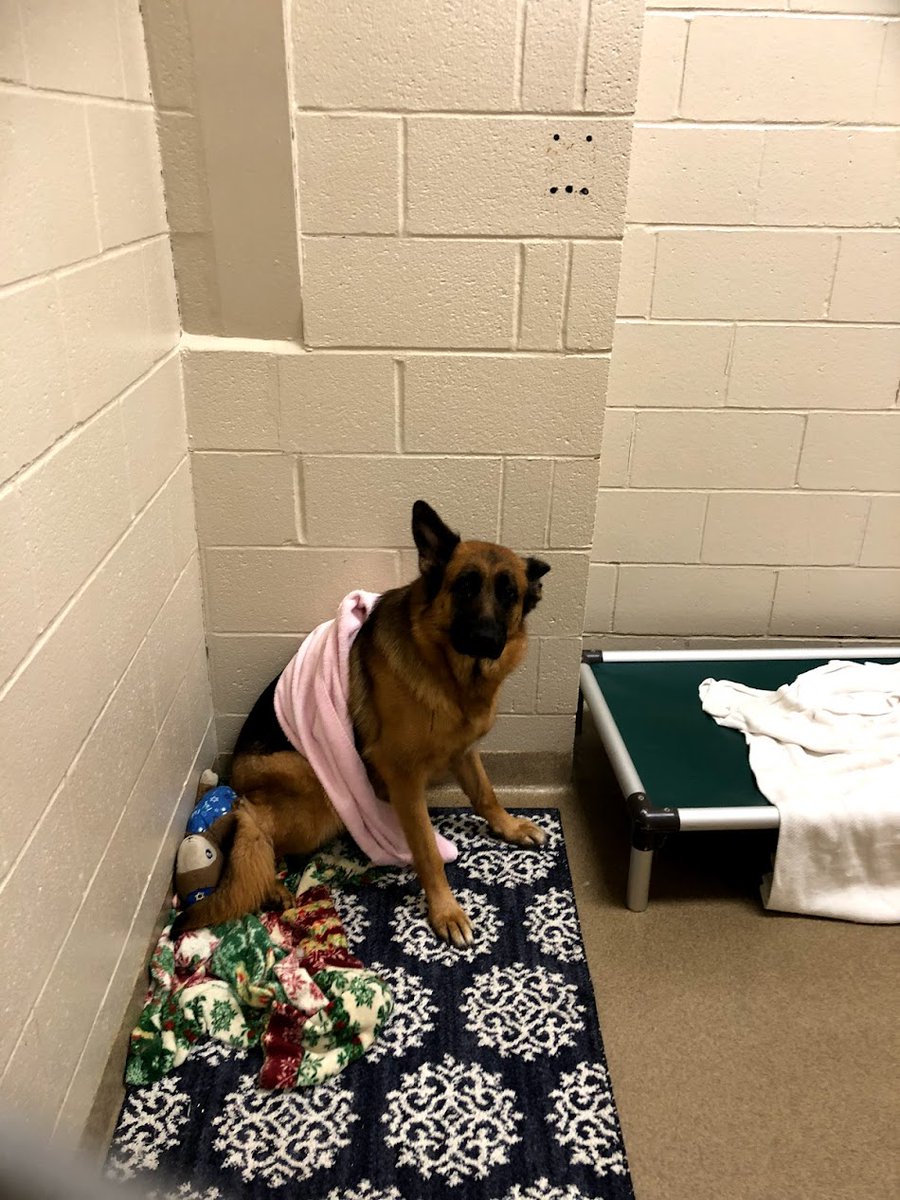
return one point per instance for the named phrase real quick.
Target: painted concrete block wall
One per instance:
(750, 471)
(460, 171)
(104, 696)
(220, 88)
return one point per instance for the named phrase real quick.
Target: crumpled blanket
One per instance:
(286, 981)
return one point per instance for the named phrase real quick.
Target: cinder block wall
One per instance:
(460, 172)
(104, 697)
(750, 470)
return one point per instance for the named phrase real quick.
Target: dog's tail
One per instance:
(248, 881)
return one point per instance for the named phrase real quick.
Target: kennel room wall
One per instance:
(405, 288)
(104, 695)
(750, 469)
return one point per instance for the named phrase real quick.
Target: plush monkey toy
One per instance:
(200, 859)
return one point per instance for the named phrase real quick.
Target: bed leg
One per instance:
(579, 713)
(649, 828)
(639, 867)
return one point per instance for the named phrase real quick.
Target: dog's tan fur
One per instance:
(418, 708)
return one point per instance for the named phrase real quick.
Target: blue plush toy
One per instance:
(212, 805)
(200, 861)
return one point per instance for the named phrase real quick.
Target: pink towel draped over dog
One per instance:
(312, 703)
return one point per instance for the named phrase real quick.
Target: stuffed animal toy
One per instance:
(209, 807)
(200, 859)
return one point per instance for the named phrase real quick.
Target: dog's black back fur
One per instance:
(261, 733)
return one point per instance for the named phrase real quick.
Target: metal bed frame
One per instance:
(650, 824)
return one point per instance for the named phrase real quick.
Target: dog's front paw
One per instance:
(522, 832)
(449, 921)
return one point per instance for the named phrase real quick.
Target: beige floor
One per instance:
(753, 1056)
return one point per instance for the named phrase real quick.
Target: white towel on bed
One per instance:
(825, 751)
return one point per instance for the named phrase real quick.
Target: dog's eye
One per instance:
(468, 585)
(505, 590)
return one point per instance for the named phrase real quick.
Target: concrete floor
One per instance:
(753, 1055)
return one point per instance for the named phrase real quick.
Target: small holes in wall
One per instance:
(569, 188)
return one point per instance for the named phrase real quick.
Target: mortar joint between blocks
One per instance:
(834, 271)
(579, 99)
(566, 298)
(684, 61)
(550, 503)
(400, 405)
(519, 52)
(519, 297)
(299, 501)
(403, 176)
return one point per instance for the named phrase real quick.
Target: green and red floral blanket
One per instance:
(284, 981)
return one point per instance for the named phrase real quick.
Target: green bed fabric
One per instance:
(684, 759)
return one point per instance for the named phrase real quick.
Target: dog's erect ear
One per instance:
(434, 541)
(535, 570)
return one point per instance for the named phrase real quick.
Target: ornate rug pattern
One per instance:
(489, 1082)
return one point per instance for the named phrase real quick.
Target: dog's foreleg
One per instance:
(447, 917)
(472, 778)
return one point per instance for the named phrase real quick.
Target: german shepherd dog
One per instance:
(425, 671)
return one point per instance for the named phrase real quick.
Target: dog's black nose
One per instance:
(487, 642)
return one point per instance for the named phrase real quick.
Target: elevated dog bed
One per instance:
(677, 769)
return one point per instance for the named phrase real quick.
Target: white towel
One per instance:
(825, 751)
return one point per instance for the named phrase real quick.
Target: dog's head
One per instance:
(480, 592)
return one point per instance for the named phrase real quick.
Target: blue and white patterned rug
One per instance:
(489, 1082)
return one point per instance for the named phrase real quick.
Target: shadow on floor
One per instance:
(753, 1054)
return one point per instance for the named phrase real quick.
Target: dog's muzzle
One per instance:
(487, 640)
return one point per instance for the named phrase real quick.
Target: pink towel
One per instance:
(312, 706)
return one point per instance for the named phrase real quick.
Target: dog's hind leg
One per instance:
(248, 881)
(472, 778)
